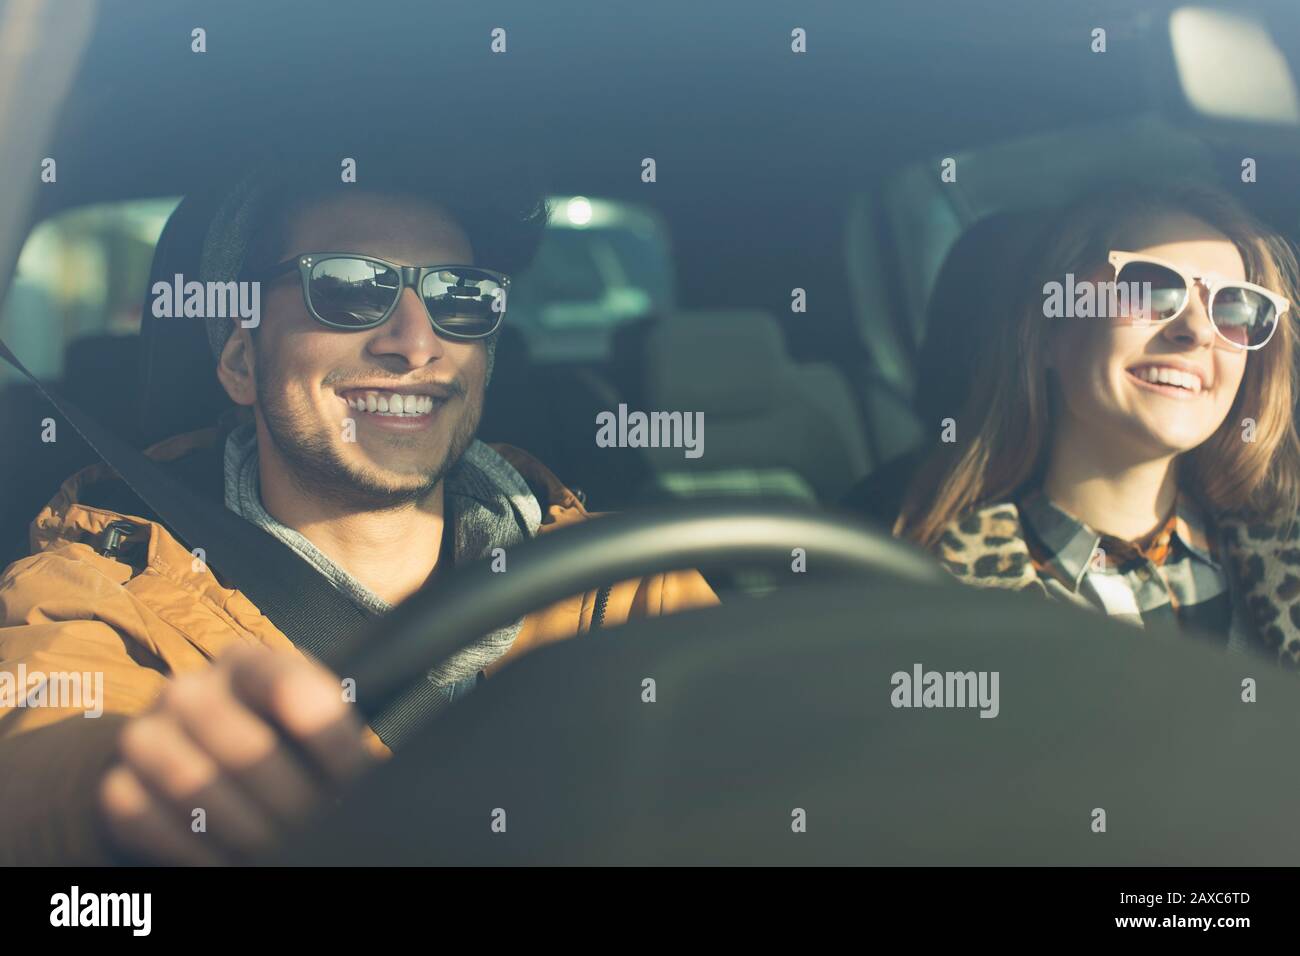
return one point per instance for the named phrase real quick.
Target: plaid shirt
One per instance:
(1172, 579)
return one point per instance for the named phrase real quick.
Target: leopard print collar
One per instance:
(1265, 564)
(987, 548)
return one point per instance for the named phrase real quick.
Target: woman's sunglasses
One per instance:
(1245, 315)
(353, 292)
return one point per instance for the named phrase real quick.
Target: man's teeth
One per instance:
(391, 403)
(1162, 375)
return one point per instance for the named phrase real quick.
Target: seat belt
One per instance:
(296, 598)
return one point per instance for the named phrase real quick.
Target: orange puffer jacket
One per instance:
(65, 609)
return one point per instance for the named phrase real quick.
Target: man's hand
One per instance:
(256, 742)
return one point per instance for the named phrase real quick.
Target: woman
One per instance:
(1143, 462)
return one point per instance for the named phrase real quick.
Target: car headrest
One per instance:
(179, 390)
(979, 286)
(721, 362)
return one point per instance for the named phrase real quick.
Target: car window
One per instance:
(601, 264)
(81, 273)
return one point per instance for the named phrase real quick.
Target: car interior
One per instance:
(798, 271)
(681, 299)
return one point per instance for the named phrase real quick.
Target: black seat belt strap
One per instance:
(286, 589)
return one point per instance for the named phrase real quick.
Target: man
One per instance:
(359, 394)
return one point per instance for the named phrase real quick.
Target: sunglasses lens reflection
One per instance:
(1168, 290)
(1243, 316)
(352, 292)
(467, 302)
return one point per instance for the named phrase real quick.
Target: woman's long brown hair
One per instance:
(1011, 410)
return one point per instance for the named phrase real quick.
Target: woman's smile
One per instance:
(1182, 382)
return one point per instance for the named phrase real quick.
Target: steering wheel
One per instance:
(1043, 714)
(471, 601)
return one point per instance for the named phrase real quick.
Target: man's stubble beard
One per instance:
(317, 469)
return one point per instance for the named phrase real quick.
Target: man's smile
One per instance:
(403, 411)
(390, 403)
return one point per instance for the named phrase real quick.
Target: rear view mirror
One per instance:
(1230, 68)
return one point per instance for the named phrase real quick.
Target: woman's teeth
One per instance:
(391, 403)
(1163, 375)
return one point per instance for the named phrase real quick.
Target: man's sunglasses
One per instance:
(1244, 315)
(353, 292)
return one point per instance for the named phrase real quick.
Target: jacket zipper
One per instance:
(598, 613)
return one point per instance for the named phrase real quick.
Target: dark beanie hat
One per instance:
(227, 240)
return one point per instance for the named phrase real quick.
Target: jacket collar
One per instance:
(1069, 544)
(66, 519)
(987, 548)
